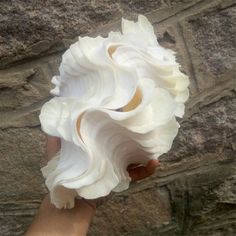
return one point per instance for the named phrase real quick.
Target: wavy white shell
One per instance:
(100, 135)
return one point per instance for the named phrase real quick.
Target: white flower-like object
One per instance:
(116, 103)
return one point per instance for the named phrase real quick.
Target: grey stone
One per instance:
(44, 25)
(227, 191)
(17, 89)
(211, 41)
(14, 225)
(130, 214)
(21, 156)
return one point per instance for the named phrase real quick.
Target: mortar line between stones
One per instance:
(20, 112)
(190, 64)
(179, 12)
(31, 60)
(188, 11)
(29, 108)
(227, 7)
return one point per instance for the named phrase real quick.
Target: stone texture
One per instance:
(16, 119)
(193, 190)
(44, 24)
(18, 222)
(136, 213)
(226, 191)
(157, 10)
(204, 133)
(51, 23)
(211, 41)
(23, 90)
(21, 157)
(19, 89)
(141, 6)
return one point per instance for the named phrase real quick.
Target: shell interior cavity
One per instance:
(115, 103)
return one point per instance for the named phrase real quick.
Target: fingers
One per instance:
(52, 147)
(152, 165)
(141, 172)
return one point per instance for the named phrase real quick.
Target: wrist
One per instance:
(84, 212)
(89, 203)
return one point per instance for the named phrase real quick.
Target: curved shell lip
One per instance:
(67, 183)
(63, 182)
(107, 104)
(147, 146)
(126, 161)
(122, 131)
(104, 189)
(122, 115)
(74, 116)
(116, 125)
(147, 58)
(70, 184)
(107, 66)
(89, 179)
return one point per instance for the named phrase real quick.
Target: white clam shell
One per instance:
(100, 134)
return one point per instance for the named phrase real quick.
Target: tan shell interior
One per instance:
(134, 102)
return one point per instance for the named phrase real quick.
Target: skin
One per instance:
(50, 221)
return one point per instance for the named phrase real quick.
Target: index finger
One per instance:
(53, 145)
(142, 172)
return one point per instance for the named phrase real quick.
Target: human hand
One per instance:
(51, 221)
(138, 172)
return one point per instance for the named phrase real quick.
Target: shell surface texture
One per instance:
(115, 103)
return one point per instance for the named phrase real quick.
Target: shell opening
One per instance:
(112, 49)
(134, 102)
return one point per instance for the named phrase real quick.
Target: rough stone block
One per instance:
(51, 23)
(23, 90)
(11, 225)
(132, 214)
(205, 131)
(21, 156)
(17, 89)
(43, 25)
(211, 41)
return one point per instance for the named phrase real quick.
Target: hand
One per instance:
(52, 221)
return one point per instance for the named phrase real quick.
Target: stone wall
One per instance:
(194, 190)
